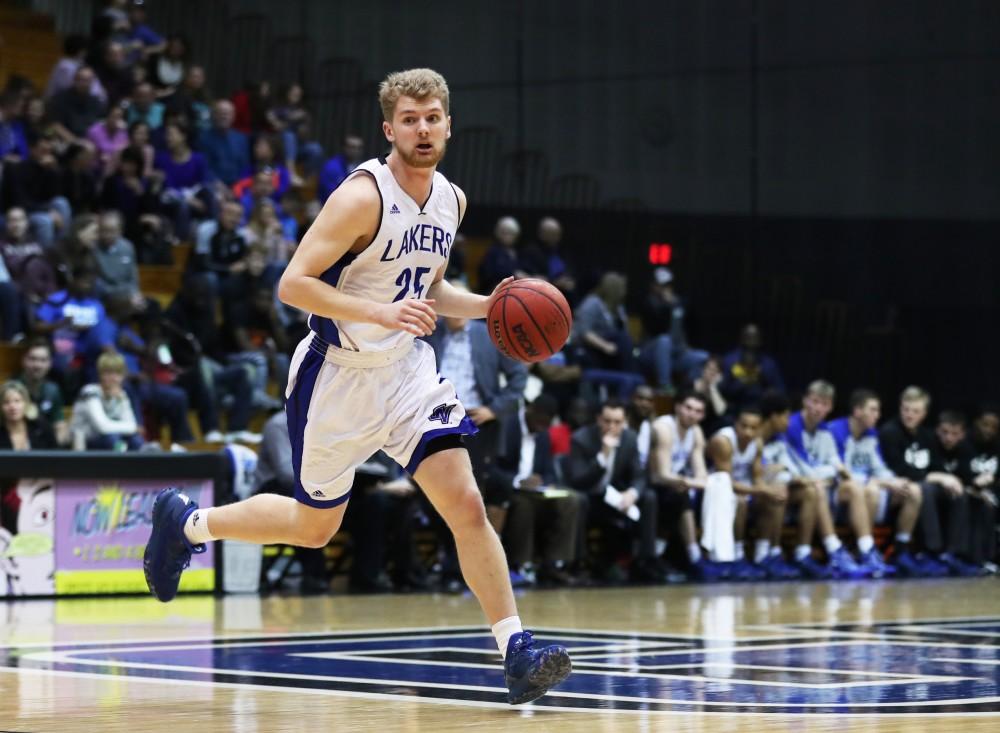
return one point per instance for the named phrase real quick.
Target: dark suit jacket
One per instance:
(487, 364)
(40, 436)
(584, 473)
(509, 461)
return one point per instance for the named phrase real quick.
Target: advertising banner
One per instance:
(101, 529)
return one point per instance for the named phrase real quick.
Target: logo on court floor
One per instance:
(949, 666)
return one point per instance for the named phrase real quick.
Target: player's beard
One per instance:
(417, 161)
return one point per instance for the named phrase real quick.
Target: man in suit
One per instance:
(467, 358)
(526, 462)
(606, 454)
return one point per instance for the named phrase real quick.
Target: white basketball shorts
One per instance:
(344, 406)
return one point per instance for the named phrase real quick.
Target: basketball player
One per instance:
(677, 469)
(370, 271)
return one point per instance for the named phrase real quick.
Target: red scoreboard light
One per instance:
(659, 254)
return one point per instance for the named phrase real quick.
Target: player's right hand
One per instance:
(412, 315)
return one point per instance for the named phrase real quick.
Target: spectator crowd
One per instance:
(127, 154)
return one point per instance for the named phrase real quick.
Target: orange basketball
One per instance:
(529, 320)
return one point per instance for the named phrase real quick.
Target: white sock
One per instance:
(903, 537)
(504, 629)
(740, 552)
(196, 527)
(831, 544)
(761, 548)
(803, 551)
(865, 544)
(694, 552)
(775, 551)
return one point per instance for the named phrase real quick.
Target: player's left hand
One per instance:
(502, 284)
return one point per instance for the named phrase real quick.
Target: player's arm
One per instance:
(721, 451)
(698, 467)
(660, 461)
(451, 302)
(349, 219)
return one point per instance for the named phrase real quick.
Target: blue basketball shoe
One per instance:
(168, 551)
(844, 566)
(530, 672)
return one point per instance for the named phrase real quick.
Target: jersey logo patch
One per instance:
(394, 209)
(442, 412)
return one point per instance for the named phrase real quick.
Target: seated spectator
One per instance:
(149, 378)
(707, 383)
(117, 270)
(193, 100)
(64, 72)
(113, 70)
(144, 107)
(255, 337)
(560, 379)
(677, 470)
(71, 317)
(907, 446)
(264, 158)
(227, 151)
(601, 339)
(145, 41)
(81, 184)
(136, 198)
(36, 120)
(340, 166)
(109, 137)
(220, 250)
(29, 265)
(951, 472)
(35, 185)
(13, 143)
(290, 119)
(606, 455)
(45, 394)
(747, 372)
(76, 109)
(17, 430)
(501, 259)
(140, 138)
(858, 449)
(77, 249)
(641, 411)
(262, 188)
(527, 463)
(544, 259)
(102, 414)
(578, 413)
(666, 349)
(264, 230)
(197, 347)
(186, 193)
(166, 69)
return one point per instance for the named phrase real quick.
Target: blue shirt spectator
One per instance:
(339, 167)
(227, 151)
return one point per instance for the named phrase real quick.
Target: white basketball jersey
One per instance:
(680, 455)
(742, 462)
(412, 243)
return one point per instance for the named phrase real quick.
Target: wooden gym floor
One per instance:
(873, 656)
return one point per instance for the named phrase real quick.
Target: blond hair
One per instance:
(420, 84)
(915, 394)
(822, 389)
(111, 361)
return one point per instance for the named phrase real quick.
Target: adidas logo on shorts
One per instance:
(318, 494)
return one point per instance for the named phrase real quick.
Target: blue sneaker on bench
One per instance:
(530, 672)
(168, 551)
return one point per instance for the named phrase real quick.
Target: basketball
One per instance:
(529, 320)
